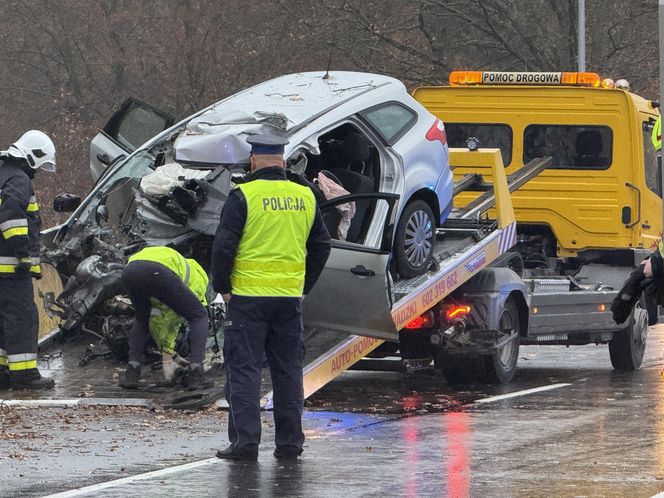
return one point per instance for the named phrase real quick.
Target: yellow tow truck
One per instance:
(569, 158)
(590, 217)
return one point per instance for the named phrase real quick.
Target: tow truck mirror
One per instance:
(66, 203)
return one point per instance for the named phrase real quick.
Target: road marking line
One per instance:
(521, 393)
(138, 477)
(70, 403)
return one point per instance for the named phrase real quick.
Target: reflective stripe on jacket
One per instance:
(165, 323)
(271, 256)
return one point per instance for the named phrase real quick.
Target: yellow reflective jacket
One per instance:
(271, 255)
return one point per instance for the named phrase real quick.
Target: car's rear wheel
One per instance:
(415, 239)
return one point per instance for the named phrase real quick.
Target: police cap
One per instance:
(266, 144)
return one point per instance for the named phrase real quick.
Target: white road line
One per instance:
(139, 477)
(69, 403)
(521, 393)
(40, 403)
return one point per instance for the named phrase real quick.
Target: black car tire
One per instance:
(628, 346)
(500, 366)
(415, 239)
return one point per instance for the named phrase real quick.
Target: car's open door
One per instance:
(130, 127)
(352, 294)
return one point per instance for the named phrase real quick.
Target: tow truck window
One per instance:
(390, 120)
(652, 170)
(490, 135)
(571, 147)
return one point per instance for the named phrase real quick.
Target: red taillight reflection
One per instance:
(421, 322)
(457, 311)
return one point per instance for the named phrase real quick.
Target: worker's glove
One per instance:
(628, 296)
(170, 363)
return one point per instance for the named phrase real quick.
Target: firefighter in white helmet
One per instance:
(19, 259)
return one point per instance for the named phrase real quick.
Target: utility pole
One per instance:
(582, 33)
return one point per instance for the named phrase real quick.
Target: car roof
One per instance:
(302, 96)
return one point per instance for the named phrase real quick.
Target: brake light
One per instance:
(456, 311)
(424, 321)
(437, 132)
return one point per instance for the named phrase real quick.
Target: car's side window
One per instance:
(135, 123)
(351, 221)
(390, 120)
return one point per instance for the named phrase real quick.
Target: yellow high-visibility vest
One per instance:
(656, 136)
(271, 256)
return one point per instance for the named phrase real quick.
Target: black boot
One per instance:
(4, 378)
(196, 379)
(29, 379)
(129, 379)
(229, 453)
(288, 453)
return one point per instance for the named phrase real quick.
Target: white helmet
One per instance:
(35, 147)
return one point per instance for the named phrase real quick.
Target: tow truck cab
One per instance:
(600, 200)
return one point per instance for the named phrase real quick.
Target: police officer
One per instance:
(19, 259)
(165, 287)
(270, 247)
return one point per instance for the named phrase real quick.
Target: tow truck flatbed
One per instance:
(464, 246)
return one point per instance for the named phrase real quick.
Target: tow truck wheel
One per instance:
(415, 239)
(500, 366)
(628, 346)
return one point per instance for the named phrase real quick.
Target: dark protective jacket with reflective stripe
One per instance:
(20, 221)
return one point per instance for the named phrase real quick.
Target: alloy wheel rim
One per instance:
(419, 232)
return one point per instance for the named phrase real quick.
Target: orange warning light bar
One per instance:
(508, 78)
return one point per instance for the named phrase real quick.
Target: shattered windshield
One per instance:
(137, 166)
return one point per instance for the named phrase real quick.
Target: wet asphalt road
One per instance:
(594, 433)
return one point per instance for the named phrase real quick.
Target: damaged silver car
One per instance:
(377, 160)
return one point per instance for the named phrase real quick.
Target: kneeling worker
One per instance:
(164, 288)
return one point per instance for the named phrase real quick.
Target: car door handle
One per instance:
(361, 271)
(104, 159)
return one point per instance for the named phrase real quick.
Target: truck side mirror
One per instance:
(66, 203)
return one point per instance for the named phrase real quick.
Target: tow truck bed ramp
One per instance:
(463, 247)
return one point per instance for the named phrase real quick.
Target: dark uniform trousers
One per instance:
(146, 279)
(19, 319)
(259, 327)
